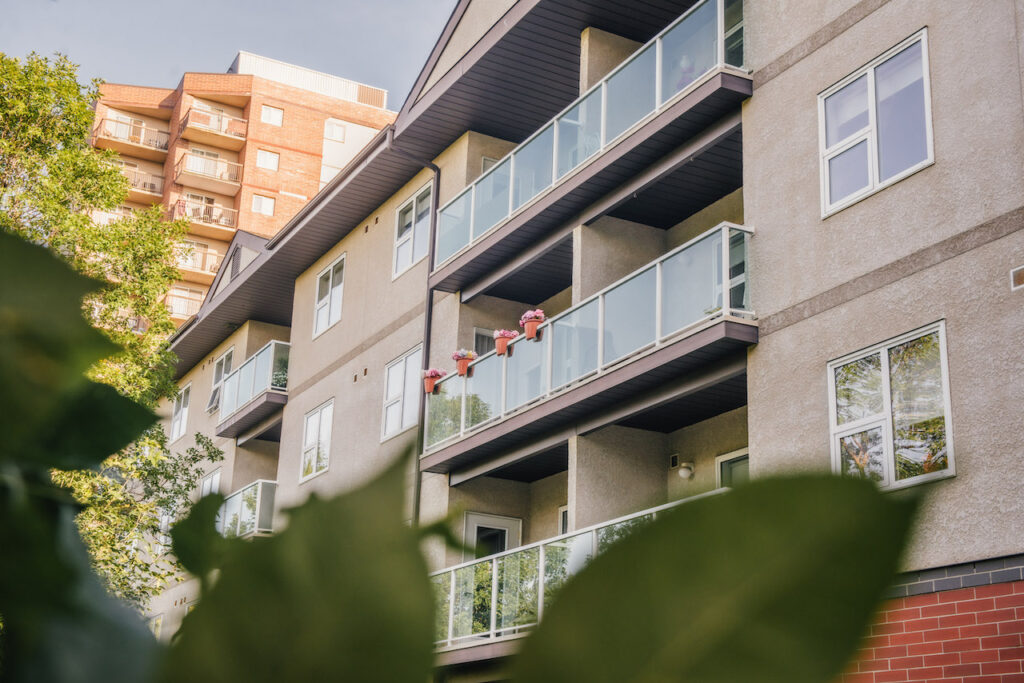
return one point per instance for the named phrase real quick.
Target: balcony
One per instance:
(198, 264)
(207, 220)
(208, 173)
(255, 390)
(249, 511)
(111, 215)
(183, 306)
(131, 138)
(502, 596)
(214, 128)
(661, 323)
(143, 187)
(666, 94)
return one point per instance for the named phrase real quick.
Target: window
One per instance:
(263, 205)
(155, 623)
(732, 469)
(334, 130)
(486, 163)
(402, 389)
(875, 125)
(210, 484)
(490, 534)
(889, 409)
(483, 341)
(221, 369)
(563, 520)
(330, 285)
(267, 159)
(316, 441)
(179, 416)
(412, 231)
(272, 115)
(1017, 279)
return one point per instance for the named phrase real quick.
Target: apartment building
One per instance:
(763, 241)
(242, 150)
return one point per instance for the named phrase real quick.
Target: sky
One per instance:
(382, 43)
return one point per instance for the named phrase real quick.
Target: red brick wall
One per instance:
(970, 634)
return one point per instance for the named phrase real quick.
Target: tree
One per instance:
(52, 185)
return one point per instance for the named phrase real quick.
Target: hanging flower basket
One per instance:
(462, 358)
(530, 321)
(501, 340)
(430, 379)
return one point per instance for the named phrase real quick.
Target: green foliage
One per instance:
(773, 581)
(341, 594)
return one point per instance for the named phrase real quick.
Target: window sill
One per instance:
(303, 480)
(385, 439)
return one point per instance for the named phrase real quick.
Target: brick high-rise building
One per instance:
(242, 150)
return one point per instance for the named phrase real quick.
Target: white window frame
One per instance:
(179, 412)
(401, 398)
(214, 402)
(317, 303)
(870, 132)
(276, 115)
(261, 200)
(210, 484)
(316, 412)
(884, 418)
(395, 272)
(726, 457)
(335, 123)
(563, 512)
(482, 332)
(268, 154)
(513, 527)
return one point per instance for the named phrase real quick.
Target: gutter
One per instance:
(428, 308)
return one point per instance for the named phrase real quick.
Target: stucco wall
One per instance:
(600, 52)
(609, 249)
(700, 444)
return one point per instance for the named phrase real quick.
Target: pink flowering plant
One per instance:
(505, 334)
(537, 315)
(464, 354)
(434, 373)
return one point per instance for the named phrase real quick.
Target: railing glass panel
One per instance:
(709, 36)
(564, 558)
(574, 339)
(471, 607)
(630, 316)
(645, 309)
(266, 370)
(518, 586)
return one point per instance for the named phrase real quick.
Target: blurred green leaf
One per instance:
(195, 541)
(774, 581)
(53, 415)
(341, 594)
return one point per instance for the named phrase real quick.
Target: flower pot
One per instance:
(501, 345)
(462, 365)
(428, 384)
(531, 328)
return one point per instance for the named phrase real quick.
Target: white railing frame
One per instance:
(719, 66)
(160, 137)
(256, 531)
(223, 176)
(492, 634)
(662, 338)
(222, 116)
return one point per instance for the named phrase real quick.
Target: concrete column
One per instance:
(600, 52)
(609, 249)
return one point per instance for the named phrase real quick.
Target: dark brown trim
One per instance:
(723, 331)
(252, 414)
(650, 176)
(953, 577)
(951, 247)
(457, 477)
(811, 44)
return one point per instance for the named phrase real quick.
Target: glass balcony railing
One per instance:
(266, 370)
(505, 594)
(709, 36)
(209, 167)
(646, 309)
(249, 511)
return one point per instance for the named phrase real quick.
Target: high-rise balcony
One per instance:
(669, 93)
(131, 138)
(207, 220)
(249, 511)
(198, 264)
(502, 596)
(681, 313)
(213, 128)
(208, 173)
(143, 187)
(255, 390)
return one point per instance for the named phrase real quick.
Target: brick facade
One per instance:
(971, 635)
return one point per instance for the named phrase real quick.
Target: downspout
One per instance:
(428, 308)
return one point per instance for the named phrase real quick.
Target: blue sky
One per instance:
(382, 43)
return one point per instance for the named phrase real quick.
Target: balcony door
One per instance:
(203, 161)
(490, 534)
(127, 128)
(200, 207)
